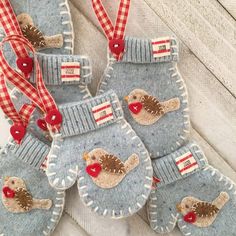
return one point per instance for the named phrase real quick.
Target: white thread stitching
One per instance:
(65, 9)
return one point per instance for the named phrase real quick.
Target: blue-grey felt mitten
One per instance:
(66, 78)
(154, 94)
(192, 194)
(28, 204)
(46, 24)
(97, 146)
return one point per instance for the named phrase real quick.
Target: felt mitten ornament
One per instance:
(38, 96)
(191, 194)
(99, 148)
(143, 73)
(28, 204)
(46, 24)
(66, 78)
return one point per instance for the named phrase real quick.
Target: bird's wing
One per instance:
(24, 199)
(111, 163)
(34, 35)
(152, 105)
(205, 209)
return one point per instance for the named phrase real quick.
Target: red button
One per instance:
(54, 117)
(8, 193)
(42, 124)
(117, 46)
(18, 132)
(25, 65)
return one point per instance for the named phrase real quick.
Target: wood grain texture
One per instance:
(207, 34)
(230, 6)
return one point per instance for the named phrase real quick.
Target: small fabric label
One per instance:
(102, 113)
(44, 165)
(161, 47)
(70, 71)
(186, 163)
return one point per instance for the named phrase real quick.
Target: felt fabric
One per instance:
(23, 181)
(91, 144)
(191, 194)
(63, 91)
(159, 114)
(44, 14)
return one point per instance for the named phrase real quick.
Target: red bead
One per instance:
(135, 107)
(190, 217)
(18, 132)
(94, 169)
(42, 124)
(54, 117)
(117, 46)
(8, 193)
(25, 65)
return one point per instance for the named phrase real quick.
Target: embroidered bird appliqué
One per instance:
(107, 170)
(147, 109)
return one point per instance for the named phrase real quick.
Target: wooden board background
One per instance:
(206, 30)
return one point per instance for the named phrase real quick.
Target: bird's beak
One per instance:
(6, 178)
(126, 98)
(85, 156)
(179, 208)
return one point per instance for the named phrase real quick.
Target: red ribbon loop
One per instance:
(115, 35)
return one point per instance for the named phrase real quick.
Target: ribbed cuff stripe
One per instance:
(166, 168)
(141, 51)
(51, 68)
(78, 118)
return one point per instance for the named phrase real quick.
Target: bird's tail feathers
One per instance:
(55, 41)
(171, 105)
(131, 163)
(45, 204)
(221, 200)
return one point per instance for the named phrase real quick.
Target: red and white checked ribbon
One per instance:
(11, 26)
(113, 33)
(40, 96)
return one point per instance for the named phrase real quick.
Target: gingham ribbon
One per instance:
(40, 96)
(7, 105)
(110, 31)
(11, 26)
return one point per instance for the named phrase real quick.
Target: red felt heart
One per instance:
(117, 46)
(8, 193)
(190, 217)
(18, 132)
(135, 107)
(25, 64)
(42, 124)
(94, 169)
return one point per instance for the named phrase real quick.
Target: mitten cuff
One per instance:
(31, 150)
(64, 69)
(91, 114)
(144, 51)
(179, 164)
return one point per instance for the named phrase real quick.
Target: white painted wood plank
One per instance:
(206, 43)
(216, 18)
(212, 107)
(230, 6)
(68, 227)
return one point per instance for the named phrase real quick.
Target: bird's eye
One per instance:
(93, 158)
(13, 182)
(187, 206)
(134, 97)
